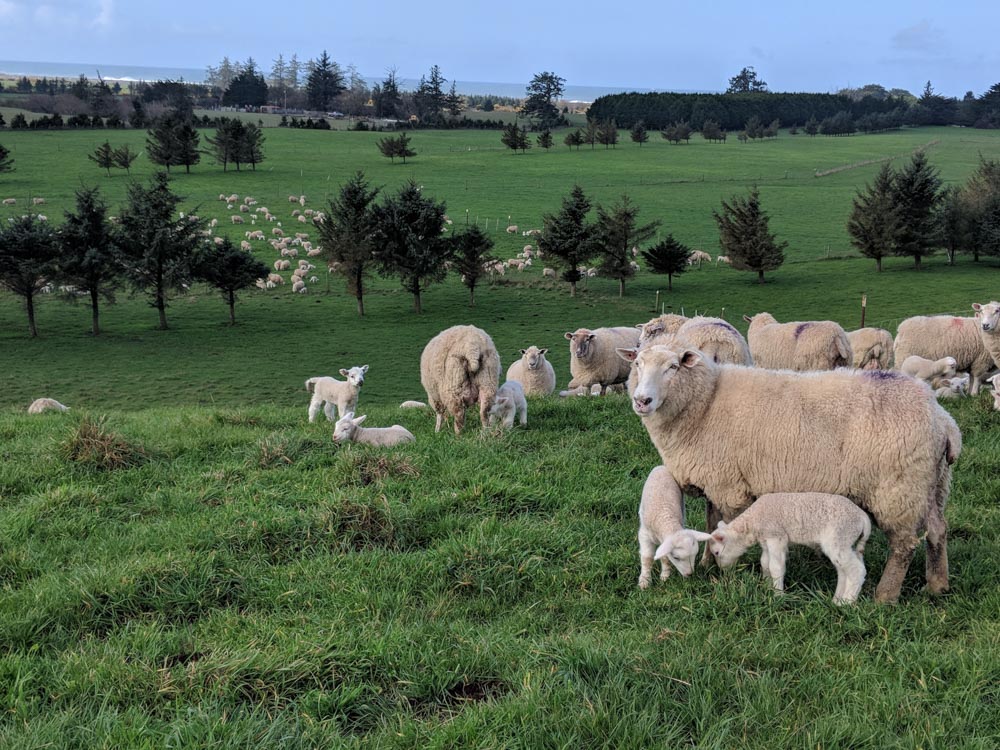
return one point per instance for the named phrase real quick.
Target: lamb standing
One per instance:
(42, 405)
(509, 402)
(831, 523)
(592, 358)
(937, 336)
(534, 372)
(329, 393)
(800, 346)
(348, 429)
(459, 367)
(872, 348)
(662, 535)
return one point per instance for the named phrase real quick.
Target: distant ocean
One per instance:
(197, 75)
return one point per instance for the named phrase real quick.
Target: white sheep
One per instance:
(723, 259)
(10, 201)
(534, 372)
(989, 328)
(937, 336)
(871, 348)
(953, 387)
(42, 405)
(995, 382)
(662, 535)
(244, 245)
(348, 429)
(592, 355)
(879, 438)
(926, 369)
(37, 201)
(800, 346)
(548, 273)
(831, 523)
(512, 229)
(328, 392)
(458, 368)
(509, 402)
(699, 257)
(236, 219)
(413, 405)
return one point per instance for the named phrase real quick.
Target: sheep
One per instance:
(512, 229)
(413, 405)
(831, 523)
(723, 259)
(812, 345)
(244, 209)
(995, 382)
(699, 257)
(244, 245)
(236, 219)
(509, 402)
(278, 232)
(989, 328)
(592, 355)
(534, 372)
(213, 223)
(328, 392)
(37, 201)
(659, 329)
(937, 336)
(348, 429)
(303, 219)
(293, 199)
(662, 535)
(282, 265)
(303, 289)
(42, 405)
(925, 369)
(736, 433)
(953, 387)
(302, 200)
(298, 286)
(459, 367)
(275, 278)
(872, 348)
(10, 201)
(548, 273)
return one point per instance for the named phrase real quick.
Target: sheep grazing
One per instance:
(548, 273)
(42, 405)
(952, 387)
(662, 535)
(37, 201)
(348, 429)
(10, 201)
(413, 405)
(927, 370)
(244, 245)
(236, 219)
(328, 392)
(872, 348)
(459, 367)
(534, 372)
(699, 257)
(831, 523)
(512, 229)
(592, 358)
(298, 286)
(937, 336)
(800, 346)
(509, 402)
(736, 433)
(723, 259)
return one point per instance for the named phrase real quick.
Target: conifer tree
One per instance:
(324, 84)
(616, 233)
(29, 250)
(745, 238)
(123, 157)
(545, 139)
(6, 161)
(161, 143)
(917, 195)
(639, 133)
(471, 252)
(567, 238)
(228, 269)
(669, 257)
(874, 220)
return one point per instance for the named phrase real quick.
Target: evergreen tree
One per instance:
(294, 72)
(228, 143)
(567, 239)
(409, 241)
(953, 221)
(874, 221)
(6, 160)
(545, 139)
(574, 138)
(639, 134)
(162, 147)
(744, 235)
(543, 91)
(247, 88)
(88, 258)
(386, 96)
(123, 158)
(712, 131)
(251, 146)
(607, 133)
(347, 235)
(668, 256)
(981, 206)
(471, 251)
(590, 133)
(429, 98)
(186, 139)
(29, 250)
(453, 102)
(157, 247)
(137, 119)
(277, 84)
(228, 269)
(812, 126)
(389, 147)
(916, 193)
(324, 84)
(616, 233)
(515, 138)
(746, 81)
(103, 157)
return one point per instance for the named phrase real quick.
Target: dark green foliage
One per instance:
(471, 252)
(754, 128)
(745, 82)
(252, 145)
(18, 122)
(247, 89)
(6, 160)
(591, 132)
(638, 133)
(544, 139)
(137, 117)
(162, 147)
(980, 201)
(917, 193)
(668, 256)
(386, 96)
(393, 146)
(29, 250)
(567, 240)
(543, 92)
(812, 126)
(840, 123)
(3, 122)
(874, 221)
(429, 98)
(453, 102)
(88, 258)
(712, 131)
(237, 142)
(953, 221)
(617, 234)
(228, 269)
(123, 157)
(514, 138)
(679, 131)
(745, 238)
(607, 133)
(408, 239)
(324, 84)
(574, 138)
(187, 139)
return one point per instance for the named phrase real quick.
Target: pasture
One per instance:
(230, 578)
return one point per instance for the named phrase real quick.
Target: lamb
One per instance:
(953, 387)
(459, 367)
(592, 356)
(831, 523)
(413, 405)
(244, 245)
(509, 400)
(298, 286)
(293, 199)
(348, 429)
(548, 273)
(937, 336)
(812, 345)
(328, 392)
(925, 369)
(534, 372)
(872, 348)
(662, 535)
(736, 433)
(42, 405)
(995, 382)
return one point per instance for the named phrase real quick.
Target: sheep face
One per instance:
(681, 548)
(346, 426)
(355, 376)
(727, 546)
(533, 357)
(656, 368)
(989, 315)
(579, 342)
(499, 408)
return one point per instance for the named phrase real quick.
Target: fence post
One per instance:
(864, 308)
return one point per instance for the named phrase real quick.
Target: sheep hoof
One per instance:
(644, 582)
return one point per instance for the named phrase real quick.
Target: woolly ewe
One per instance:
(534, 372)
(937, 336)
(801, 346)
(458, 368)
(662, 535)
(871, 348)
(592, 358)
(41, 405)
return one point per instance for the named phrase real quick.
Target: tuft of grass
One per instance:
(92, 444)
(364, 469)
(282, 449)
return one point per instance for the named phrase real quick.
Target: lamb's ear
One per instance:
(748, 319)
(690, 357)
(699, 536)
(364, 368)
(718, 536)
(663, 550)
(360, 419)
(343, 372)
(628, 355)
(543, 351)
(568, 336)
(347, 415)
(640, 326)
(721, 525)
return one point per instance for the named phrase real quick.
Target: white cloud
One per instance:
(920, 37)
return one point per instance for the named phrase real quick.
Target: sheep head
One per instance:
(579, 342)
(989, 315)
(727, 545)
(657, 369)
(355, 376)
(533, 357)
(681, 548)
(346, 426)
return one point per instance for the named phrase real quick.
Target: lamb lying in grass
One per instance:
(831, 523)
(662, 535)
(349, 430)
(413, 405)
(953, 387)
(509, 402)
(928, 369)
(41, 405)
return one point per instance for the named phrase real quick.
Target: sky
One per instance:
(794, 46)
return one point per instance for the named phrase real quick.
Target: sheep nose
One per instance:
(643, 401)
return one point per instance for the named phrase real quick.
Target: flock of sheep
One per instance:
(799, 433)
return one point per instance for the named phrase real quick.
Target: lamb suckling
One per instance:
(534, 372)
(937, 336)
(872, 348)
(592, 356)
(509, 402)
(348, 429)
(329, 393)
(662, 535)
(800, 346)
(927, 370)
(831, 523)
(736, 433)
(458, 368)
(42, 405)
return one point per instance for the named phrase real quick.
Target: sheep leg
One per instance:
(850, 572)
(524, 415)
(439, 423)
(646, 551)
(712, 517)
(901, 547)
(937, 550)
(776, 551)
(329, 408)
(765, 562)
(460, 420)
(314, 407)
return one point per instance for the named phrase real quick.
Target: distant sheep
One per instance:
(329, 393)
(871, 348)
(799, 346)
(236, 219)
(42, 405)
(548, 273)
(662, 535)
(37, 201)
(348, 429)
(508, 404)
(458, 368)
(512, 229)
(534, 372)
(10, 201)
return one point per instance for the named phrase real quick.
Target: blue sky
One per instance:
(795, 46)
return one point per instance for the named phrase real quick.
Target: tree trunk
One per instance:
(670, 282)
(916, 262)
(621, 288)
(29, 302)
(878, 264)
(572, 289)
(94, 314)
(975, 256)
(760, 277)
(361, 305)
(161, 308)
(232, 307)
(472, 296)
(187, 169)
(416, 302)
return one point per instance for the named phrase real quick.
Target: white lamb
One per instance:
(329, 393)
(348, 429)
(42, 405)
(509, 402)
(926, 369)
(953, 387)
(534, 372)
(662, 535)
(413, 405)
(828, 522)
(995, 382)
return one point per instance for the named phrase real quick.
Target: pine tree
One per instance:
(638, 133)
(251, 146)
(574, 138)
(607, 133)
(29, 251)
(744, 235)
(471, 252)
(324, 84)
(228, 269)
(429, 98)
(453, 102)
(591, 132)
(389, 147)
(403, 147)
(510, 136)
(616, 233)
(247, 88)
(917, 195)
(161, 143)
(981, 201)
(874, 221)
(229, 143)
(543, 91)
(812, 125)
(567, 239)
(669, 257)
(186, 139)
(6, 160)
(545, 139)
(123, 157)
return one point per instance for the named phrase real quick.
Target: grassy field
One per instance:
(230, 578)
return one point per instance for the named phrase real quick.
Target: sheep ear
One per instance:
(748, 319)
(568, 336)
(721, 525)
(522, 350)
(628, 355)
(590, 336)
(640, 326)
(663, 550)
(690, 357)
(360, 419)
(699, 536)
(364, 368)
(717, 536)
(543, 351)
(977, 307)
(343, 372)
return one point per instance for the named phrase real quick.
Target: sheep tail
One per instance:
(843, 352)
(310, 384)
(859, 546)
